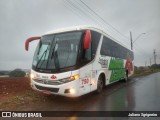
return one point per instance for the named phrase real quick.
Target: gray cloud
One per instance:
(21, 19)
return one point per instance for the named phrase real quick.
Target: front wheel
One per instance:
(100, 85)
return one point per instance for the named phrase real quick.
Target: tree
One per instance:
(17, 73)
(2, 73)
(155, 66)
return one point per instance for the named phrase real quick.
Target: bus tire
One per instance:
(126, 76)
(100, 84)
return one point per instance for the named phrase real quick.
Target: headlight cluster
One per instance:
(69, 79)
(54, 82)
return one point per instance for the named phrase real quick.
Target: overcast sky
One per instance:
(20, 19)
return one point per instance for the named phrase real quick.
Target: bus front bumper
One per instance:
(68, 89)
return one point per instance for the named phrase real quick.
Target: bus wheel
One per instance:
(100, 85)
(126, 77)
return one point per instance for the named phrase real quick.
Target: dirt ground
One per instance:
(13, 86)
(16, 92)
(16, 95)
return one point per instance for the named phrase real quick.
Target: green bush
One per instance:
(17, 73)
(1, 73)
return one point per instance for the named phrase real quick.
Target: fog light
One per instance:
(72, 91)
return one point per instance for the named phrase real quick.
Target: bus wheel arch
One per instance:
(100, 83)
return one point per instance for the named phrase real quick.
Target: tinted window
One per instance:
(95, 37)
(113, 49)
(107, 47)
(57, 51)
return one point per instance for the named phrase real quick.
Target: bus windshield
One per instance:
(57, 51)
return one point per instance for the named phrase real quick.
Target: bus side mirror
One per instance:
(87, 39)
(30, 40)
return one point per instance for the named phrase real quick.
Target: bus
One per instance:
(78, 60)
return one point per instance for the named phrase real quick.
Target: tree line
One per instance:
(14, 73)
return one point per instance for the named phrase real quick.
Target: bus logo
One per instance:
(6, 114)
(53, 77)
(103, 62)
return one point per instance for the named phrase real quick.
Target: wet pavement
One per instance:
(140, 94)
(137, 94)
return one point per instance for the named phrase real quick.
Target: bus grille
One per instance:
(55, 90)
(49, 82)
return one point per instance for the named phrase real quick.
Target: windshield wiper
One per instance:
(44, 53)
(56, 60)
(54, 56)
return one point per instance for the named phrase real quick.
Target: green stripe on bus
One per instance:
(116, 67)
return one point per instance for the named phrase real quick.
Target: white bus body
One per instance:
(78, 60)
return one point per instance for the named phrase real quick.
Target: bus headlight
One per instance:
(65, 80)
(31, 76)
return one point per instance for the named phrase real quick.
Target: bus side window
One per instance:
(104, 48)
(91, 52)
(95, 38)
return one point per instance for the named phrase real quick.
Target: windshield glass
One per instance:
(57, 51)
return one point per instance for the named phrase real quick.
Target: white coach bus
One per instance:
(75, 61)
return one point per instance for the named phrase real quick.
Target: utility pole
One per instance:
(135, 39)
(145, 64)
(150, 62)
(131, 40)
(154, 53)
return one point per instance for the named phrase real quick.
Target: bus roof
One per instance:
(84, 27)
(74, 28)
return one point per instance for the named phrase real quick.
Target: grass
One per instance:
(143, 72)
(29, 97)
